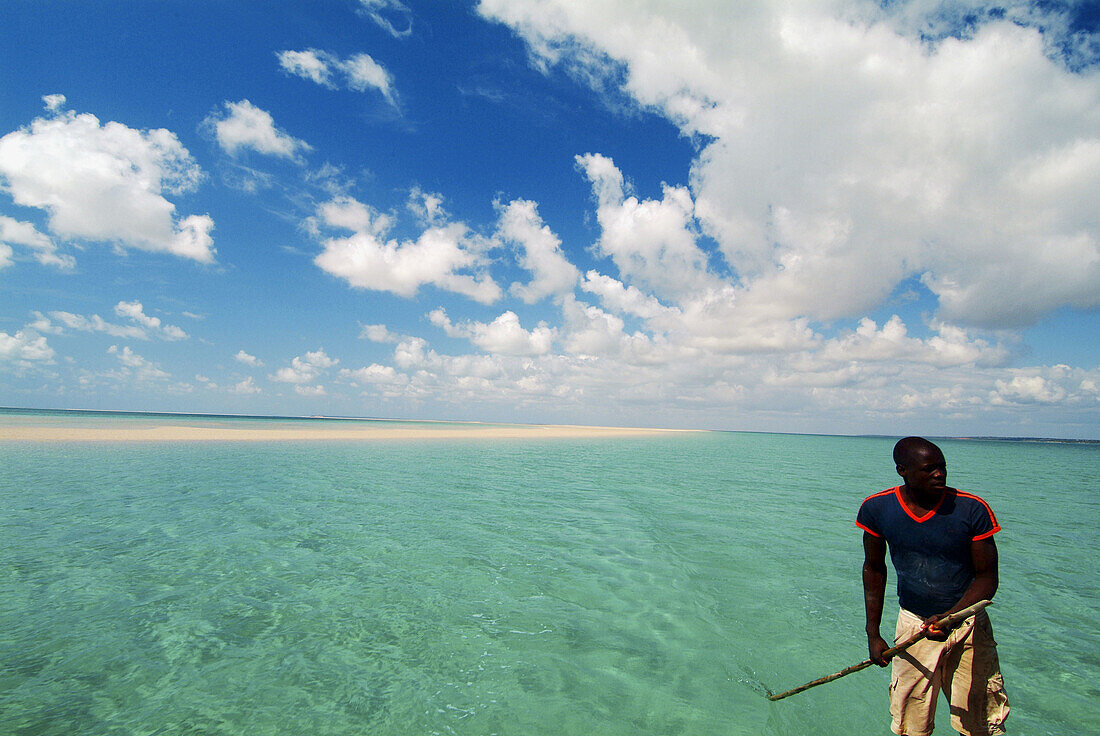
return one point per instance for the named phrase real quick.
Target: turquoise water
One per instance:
(650, 585)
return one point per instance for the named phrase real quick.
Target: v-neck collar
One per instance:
(909, 511)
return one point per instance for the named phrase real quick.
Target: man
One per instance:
(941, 545)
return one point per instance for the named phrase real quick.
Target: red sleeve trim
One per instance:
(992, 517)
(887, 492)
(872, 533)
(881, 493)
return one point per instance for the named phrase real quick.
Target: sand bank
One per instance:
(182, 433)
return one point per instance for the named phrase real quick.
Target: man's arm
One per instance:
(874, 593)
(983, 559)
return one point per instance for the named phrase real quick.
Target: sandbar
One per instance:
(183, 433)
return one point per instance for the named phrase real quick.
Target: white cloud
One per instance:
(375, 374)
(247, 126)
(247, 387)
(136, 312)
(348, 213)
(448, 256)
(360, 72)
(5, 256)
(366, 73)
(650, 241)
(844, 152)
(305, 368)
(311, 391)
(378, 333)
(413, 352)
(243, 357)
(427, 206)
(95, 323)
(621, 298)
(309, 64)
(144, 325)
(1029, 389)
(24, 348)
(54, 103)
(42, 323)
(106, 183)
(539, 252)
(951, 347)
(136, 366)
(504, 335)
(14, 232)
(381, 11)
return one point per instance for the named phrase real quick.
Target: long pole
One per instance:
(945, 623)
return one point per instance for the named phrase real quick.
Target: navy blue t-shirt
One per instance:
(931, 553)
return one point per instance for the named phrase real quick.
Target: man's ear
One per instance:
(900, 469)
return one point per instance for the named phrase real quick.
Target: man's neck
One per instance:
(925, 501)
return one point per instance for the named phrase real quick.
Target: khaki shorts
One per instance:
(965, 667)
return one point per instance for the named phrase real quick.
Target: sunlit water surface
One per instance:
(655, 585)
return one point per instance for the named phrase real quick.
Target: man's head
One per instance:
(921, 464)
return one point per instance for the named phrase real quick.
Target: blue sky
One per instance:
(820, 216)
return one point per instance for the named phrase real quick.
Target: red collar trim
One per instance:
(909, 511)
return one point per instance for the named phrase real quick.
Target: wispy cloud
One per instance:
(358, 72)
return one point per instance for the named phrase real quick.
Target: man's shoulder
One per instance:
(970, 497)
(880, 497)
(980, 513)
(874, 512)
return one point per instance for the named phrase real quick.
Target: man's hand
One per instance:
(876, 645)
(934, 633)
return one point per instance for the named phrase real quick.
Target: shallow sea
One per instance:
(649, 585)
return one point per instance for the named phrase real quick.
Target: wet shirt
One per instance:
(931, 553)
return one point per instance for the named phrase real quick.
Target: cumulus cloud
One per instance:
(252, 360)
(503, 335)
(1027, 390)
(619, 297)
(24, 349)
(244, 125)
(359, 72)
(136, 366)
(247, 387)
(136, 313)
(309, 64)
(95, 323)
(447, 256)
(952, 346)
(845, 150)
(378, 333)
(650, 241)
(105, 182)
(305, 368)
(54, 103)
(375, 374)
(427, 206)
(539, 250)
(15, 232)
(142, 326)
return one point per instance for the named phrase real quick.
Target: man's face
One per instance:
(925, 472)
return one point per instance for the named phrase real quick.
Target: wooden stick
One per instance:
(947, 622)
